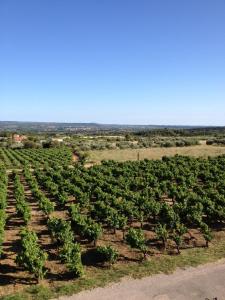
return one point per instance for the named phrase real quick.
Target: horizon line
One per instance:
(111, 124)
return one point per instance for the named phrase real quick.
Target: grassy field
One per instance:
(155, 153)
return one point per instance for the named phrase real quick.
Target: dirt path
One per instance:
(201, 283)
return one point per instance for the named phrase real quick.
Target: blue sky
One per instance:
(113, 61)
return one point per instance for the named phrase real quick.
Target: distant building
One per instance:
(59, 139)
(17, 138)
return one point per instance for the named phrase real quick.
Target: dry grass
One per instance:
(202, 150)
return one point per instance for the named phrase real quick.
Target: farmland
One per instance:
(19, 158)
(202, 150)
(61, 221)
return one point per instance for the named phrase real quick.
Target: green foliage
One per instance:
(2, 226)
(62, 198)
(3, 204)
(60, 230)
(136, 239)
(75, 213)
(31, 257)
(168, 216)
(87, 228)
(181, 192)
(71, 254)
(207, 234)
(46, 205)
(69, 251)
(177, 235)
(162, 233)
(22, 207)
(91, 230)
(116, 220)
(108, 254)
(3, 187)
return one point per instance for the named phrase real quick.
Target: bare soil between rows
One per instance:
(13, 278)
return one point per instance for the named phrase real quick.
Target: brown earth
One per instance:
(75, 157)
(13, 278)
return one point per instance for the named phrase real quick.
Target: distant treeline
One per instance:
(215, 142)
(206, 131)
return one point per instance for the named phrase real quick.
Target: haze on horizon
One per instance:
(113, 62)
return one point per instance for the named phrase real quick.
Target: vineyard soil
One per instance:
(14, 279)
(70, 228)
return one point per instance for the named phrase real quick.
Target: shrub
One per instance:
(107, 254)
(71, 254)
(31, 257)
(135, 238)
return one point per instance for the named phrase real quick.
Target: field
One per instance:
(202, 150)
(69, 227)
(13, 159)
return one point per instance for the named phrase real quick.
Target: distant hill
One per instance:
(81, 127)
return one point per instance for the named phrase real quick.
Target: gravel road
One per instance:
(201, 283)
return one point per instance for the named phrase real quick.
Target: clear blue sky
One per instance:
(113, 61)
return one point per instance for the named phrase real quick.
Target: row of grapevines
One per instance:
(36, 157)
(61, 231)
(86, 226)
(3, 203)
(4, 158)
(52, 156)
(45, 204)
(31, 257)
(22, 208)
(170, 194)
(61, 187)
(21, 160)
(13, 161)
(69, 250)
(53, 186)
